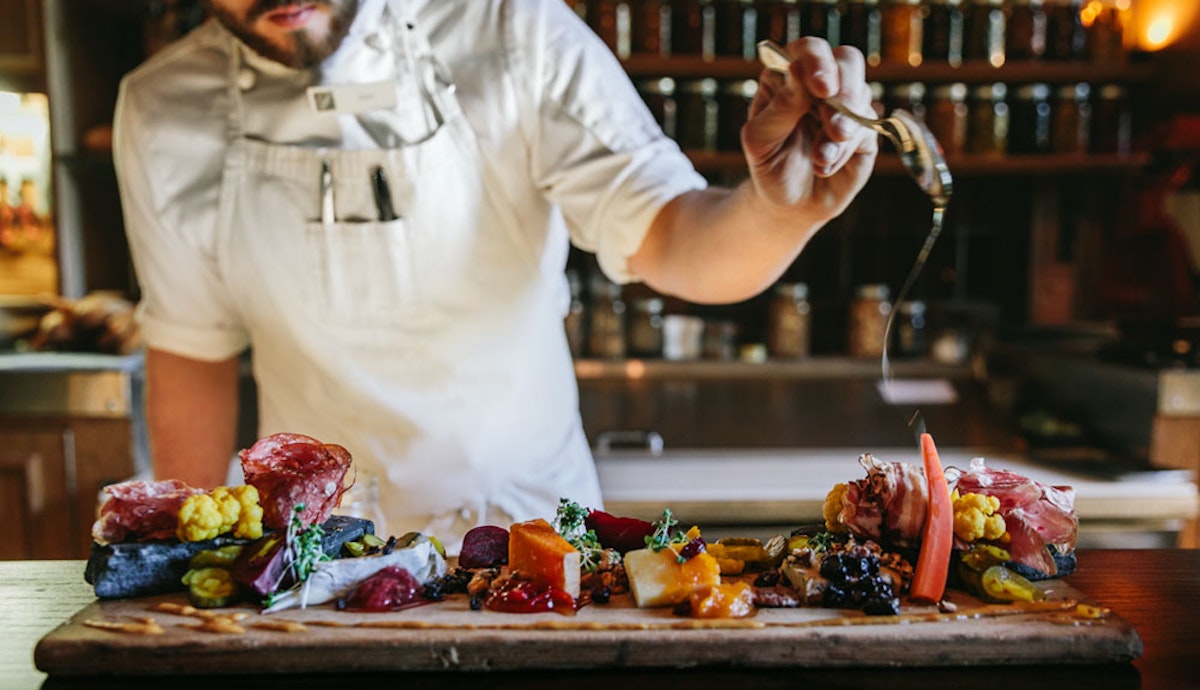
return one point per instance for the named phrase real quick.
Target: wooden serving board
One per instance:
(449, 636)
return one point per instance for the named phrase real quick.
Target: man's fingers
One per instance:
(814, 66)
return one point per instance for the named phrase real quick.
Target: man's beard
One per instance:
(302, 50)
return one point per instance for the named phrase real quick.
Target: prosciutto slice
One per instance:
(293, 469)
(141, 511)
(1036, 515)
(889, 504)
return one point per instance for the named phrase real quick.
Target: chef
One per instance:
(376, 197)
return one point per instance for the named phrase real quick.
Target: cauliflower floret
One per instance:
(225, 509)
(249, 521)
(228, 504)
(975, 518)
(199, 518)
(832, 508)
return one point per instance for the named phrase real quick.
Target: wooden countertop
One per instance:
(1157, 591)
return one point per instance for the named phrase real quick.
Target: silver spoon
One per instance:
(920, 153)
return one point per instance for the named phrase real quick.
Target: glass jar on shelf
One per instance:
(789, 322)
(911, 337)
(699, 111)
(1112, 121)
(947, 117)
(869, 311)
(693, 27)
(651, 31)
(987, 124)
(862, 27)
(1070, 128)
(659, 95)
(606, 337)
(908, 96)
(575, 322)
(735, 28)
(1029, 124)
(943, 32)
(903, 32)
(779, 20)
(612, 21)
(720, 340)
(646, 328)
(985, 31)
(1105, 22)
(733, 107)
(1026, 30)
(1066, 38)
(823, 19)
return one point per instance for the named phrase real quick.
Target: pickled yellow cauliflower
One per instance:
(199, 518)
(975, 518)
(249, 520)
(832, 508)
(207, 516)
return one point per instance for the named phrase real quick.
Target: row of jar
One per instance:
(994, 118)
(886, 31)
(607, 327)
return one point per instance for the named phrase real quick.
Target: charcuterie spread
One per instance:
(977, 548)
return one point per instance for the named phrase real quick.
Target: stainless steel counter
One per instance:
(61, 385)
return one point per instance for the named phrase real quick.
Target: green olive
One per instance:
(222, 557)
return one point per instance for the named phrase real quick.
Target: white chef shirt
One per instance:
(564, 137)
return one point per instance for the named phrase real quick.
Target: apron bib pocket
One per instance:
(362, 272)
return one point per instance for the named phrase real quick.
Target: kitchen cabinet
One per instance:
(69, 426)
(21, 46)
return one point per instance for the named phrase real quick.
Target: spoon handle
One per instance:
(777, 60)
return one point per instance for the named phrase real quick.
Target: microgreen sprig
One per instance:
(569, 523)
(665, 533)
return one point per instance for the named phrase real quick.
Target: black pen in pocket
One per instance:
(383, 194)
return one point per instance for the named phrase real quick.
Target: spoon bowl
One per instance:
(919, 151)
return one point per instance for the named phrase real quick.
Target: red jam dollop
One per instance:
(523, 596)
(390, 589)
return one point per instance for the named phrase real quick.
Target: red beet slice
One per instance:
(259, 567)
(620, 533)
(485, 546)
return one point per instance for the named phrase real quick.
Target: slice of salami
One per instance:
(141, 511)
(293, 469)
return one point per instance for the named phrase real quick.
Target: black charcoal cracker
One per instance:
(136, 569)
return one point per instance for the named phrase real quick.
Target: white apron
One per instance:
(430, 346)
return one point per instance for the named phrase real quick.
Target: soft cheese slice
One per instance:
(657, 578)
(539, 553)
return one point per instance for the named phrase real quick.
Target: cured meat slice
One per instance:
(888, 504)
(141, 511)
(293, 469)
(1035, 514)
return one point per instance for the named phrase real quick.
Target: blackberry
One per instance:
(602, 594)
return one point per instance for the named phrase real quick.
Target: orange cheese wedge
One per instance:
(540, 554)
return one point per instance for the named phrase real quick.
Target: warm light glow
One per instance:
(1158, 24)
(1159, 32)
(635, 369)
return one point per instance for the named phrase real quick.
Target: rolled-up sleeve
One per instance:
(169, 186)
(598, 153)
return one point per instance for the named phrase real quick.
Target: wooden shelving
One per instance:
(696, 67)
(966, 165)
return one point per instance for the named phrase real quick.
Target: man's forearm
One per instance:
(191, 410)
(720, 245)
